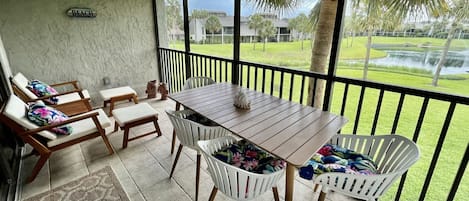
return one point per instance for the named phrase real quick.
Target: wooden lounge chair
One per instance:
(71, 102)
(85, 126)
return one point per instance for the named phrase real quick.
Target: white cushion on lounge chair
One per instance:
(72, 97)
(16, 110)
(82, 128)
(21, 82)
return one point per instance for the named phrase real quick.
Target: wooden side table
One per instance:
(132, 116)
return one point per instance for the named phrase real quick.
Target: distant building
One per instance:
(199, 34)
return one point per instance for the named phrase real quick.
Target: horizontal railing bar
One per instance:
(287, 70)
(388, 87)
(406, 90)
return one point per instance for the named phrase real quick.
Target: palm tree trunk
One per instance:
(263, 48)
(367, 57)
(302, 40)
(255, 39)
(442, 60)
(321, 49)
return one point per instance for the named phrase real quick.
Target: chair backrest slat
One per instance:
(195, 82)
(393, 154)
(233, 181)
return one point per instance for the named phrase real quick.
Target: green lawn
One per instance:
(290, 55)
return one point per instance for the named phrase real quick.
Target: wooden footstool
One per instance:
(135, 115)
(118, 94)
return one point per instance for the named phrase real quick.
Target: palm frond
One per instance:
(314, 15)
(404, 8)
(272, 6)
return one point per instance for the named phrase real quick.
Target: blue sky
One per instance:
(246, 9)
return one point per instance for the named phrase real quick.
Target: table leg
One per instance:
(290, 180)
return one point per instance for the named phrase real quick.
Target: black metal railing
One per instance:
(362, 102)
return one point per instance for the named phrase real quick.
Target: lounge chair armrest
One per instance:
(79, 91)
(71, 120)
(74, 83)
(75, 107)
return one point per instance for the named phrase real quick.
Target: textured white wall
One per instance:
(43, 43)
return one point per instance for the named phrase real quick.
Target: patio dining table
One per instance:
(288, 130)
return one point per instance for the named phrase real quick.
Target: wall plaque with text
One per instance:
(81, 12)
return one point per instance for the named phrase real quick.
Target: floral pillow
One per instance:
(43, 115)
(41, 89)
(332, 158)
(248, 157)
(196, 117)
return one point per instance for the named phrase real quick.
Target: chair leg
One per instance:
(116, 127)
(135, 99)
(322, 196)
(111, 108)
(315, 187)
(275, 191)
(125, 140)
(40, 163)
(197, 178)
(176, 160)
(173, 142)
(157, 127)
(106, 141)
(213, 194)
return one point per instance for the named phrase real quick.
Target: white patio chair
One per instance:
(195, 82)
(393, 155)
(85, 126)
(191, 83)
(189, 132)
(232, 181)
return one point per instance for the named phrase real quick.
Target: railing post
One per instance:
(236, 37)
(334, 56)
(186, 39)
(157, 40)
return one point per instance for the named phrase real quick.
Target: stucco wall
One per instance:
(43, 43)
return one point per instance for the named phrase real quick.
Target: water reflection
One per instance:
(456, 62)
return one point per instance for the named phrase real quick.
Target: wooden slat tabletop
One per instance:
(288, 130)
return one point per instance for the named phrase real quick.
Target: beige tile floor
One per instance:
(142, 168)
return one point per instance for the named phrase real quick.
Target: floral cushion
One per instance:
(41, 89)
(332, 158)
(43, 115)
(248, 157)
(201, 119)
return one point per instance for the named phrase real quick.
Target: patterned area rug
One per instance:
(101, 185)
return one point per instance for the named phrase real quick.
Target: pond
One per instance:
(456, 62)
